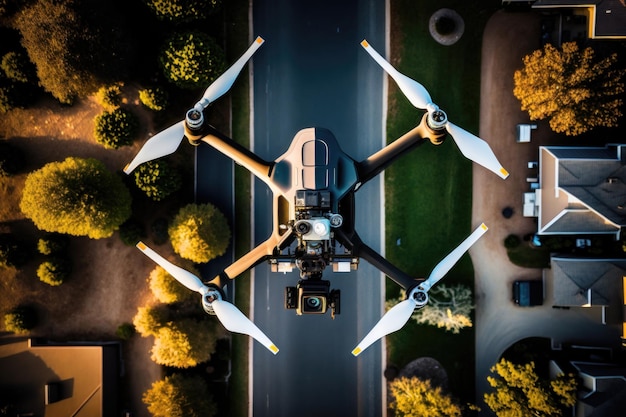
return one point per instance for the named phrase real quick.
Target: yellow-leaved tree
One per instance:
(571, 88)
(414, 397)
(520, 392)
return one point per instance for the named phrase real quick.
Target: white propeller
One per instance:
(229, 315)
(472, 147)
(167, 141)
(400, 314)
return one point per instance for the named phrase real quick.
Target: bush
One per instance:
(11, 159)
(512, 241)
(116, 128)
(180, 396)
(78, 196)
(131, 232)
(192, 60)
(166, 288)
(13, 253)
(125, 331)
(21, 319)
(8, 94)
(154, 98)
(149, 320)
(199, 232)
(17, 67)
(110, 96)
(157, 179)
(184, 343)
(54, 271)
(53, 244)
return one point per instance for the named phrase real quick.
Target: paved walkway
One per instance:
(499, 323)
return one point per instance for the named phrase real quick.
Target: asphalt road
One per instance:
(312, 72)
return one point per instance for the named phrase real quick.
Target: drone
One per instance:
(313, 185)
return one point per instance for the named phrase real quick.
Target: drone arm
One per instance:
(374, 164)
(251, 259)
(360, 249)
(242, 156)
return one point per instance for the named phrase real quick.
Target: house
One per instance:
(59, 380)
(595, 19)
(582, 191)
(601, 389)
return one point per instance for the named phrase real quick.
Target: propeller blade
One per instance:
(453, 257)
(161, 144)
(225, 81)
(475, 149)
(392, 321)
(235, 321)
(186, 278)
(414, 91)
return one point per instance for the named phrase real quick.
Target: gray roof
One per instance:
(573, 278)
(596, 178)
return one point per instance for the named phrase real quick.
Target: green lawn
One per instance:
(429, 191)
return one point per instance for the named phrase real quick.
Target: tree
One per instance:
(149, 320)
(21, 319)
(184, 343)
(199, 232)
(414, 397)
(180, 396)
(183, 10)
(57, 42)
(53, 244)
(520, 392)
(55, 270)
(167, 289)
(157, 179)
(192, 60)
(154, 98)
(448, 307)
(78, 197)
(571, 88)
(116, 128)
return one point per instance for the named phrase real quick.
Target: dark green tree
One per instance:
(199, 232)
(180, 396)
(157, 179)
(192, 60)
(117, 128)
(60, 45)
(78, 197)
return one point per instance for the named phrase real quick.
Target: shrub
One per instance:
(512, 241)
(166, 288)
(53, 244)
(184, 343)
(116, 128)
(149, 320)
(17, 67)
(125, 331)
(55, 270)
(154, 98)
(180, 396)
(191, 60)
(13, 253)
(11, 159)
(110, 96)
(199, 232)
(131, 232)
(78, 196)
(21, 319)
(157, 179)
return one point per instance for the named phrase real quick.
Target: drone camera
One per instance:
(312, 297)
(312, 199)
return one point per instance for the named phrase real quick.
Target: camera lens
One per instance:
(313, 302)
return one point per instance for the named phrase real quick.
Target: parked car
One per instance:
(528, 293)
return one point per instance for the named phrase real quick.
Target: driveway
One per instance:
(499, 323)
